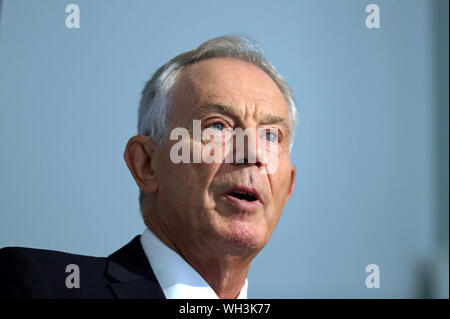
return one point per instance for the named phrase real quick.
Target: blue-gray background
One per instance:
(371, 148)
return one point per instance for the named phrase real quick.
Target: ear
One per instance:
(292, 182)
(141, 156)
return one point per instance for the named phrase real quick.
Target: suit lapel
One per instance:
(133, 275)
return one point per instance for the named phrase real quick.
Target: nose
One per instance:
(247, 149)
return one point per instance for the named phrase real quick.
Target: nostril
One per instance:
(246, 161)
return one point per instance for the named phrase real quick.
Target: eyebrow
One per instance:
(266, 119)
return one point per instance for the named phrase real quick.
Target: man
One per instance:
(206, 220)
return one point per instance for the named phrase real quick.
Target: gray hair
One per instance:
(154, 108)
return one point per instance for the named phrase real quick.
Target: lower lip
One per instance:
(243, 204)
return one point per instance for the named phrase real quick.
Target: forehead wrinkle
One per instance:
(218, 108)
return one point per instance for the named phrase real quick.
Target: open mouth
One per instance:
(243, 195)
(245, 199)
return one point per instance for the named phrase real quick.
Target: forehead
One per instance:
(227, 81)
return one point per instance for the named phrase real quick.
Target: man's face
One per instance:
(203, 205)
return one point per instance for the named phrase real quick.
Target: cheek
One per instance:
(280, 184)
(187, 185)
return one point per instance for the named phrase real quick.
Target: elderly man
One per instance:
(206, 219)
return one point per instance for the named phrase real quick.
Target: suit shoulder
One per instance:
(41, 273)
(46, 256)
(21, 275)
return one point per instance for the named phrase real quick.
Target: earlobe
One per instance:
(140, 156)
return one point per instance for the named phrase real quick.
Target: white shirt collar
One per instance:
(176, 277)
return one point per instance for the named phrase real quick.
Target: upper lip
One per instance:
(245, 189)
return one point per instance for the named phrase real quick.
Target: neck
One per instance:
(224, 272)
(225, 275)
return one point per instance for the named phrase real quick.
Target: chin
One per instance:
(243, 236)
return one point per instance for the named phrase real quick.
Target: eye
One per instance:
(217, 126)
(271, 136)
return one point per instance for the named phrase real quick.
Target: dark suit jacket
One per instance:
(39, 273)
